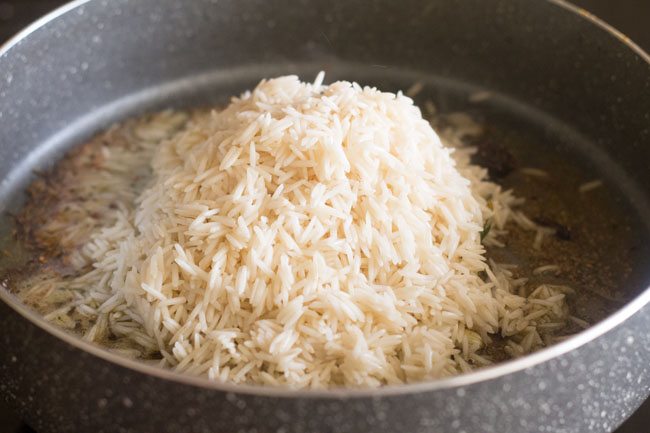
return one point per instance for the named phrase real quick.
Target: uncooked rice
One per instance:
(307, 235)
(546, 268)
(535, 172)
(480, 96)
(590, 186)
(415, 89)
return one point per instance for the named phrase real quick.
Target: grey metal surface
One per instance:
(78, 72)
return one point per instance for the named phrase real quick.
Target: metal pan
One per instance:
(569, 93)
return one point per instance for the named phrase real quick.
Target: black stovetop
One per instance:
(630, 16)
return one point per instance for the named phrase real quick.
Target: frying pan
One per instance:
(579, 89)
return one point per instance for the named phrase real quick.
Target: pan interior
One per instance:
(605, 249)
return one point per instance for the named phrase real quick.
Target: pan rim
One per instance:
(482, 375)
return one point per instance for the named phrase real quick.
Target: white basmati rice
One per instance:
(415, 89)
(546, 268)
(534, 172)
(590, 186)
(309, 236)
(480, 96)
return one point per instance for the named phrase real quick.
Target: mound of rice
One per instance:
(311, 236)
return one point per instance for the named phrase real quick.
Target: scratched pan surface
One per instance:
(565, 96)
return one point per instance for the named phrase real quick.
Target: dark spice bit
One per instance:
(486, 229)
(562, 232)
(495, 157)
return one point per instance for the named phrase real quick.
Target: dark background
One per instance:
(632, 17)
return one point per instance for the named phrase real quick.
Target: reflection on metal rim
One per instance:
(24, 33)
(481, 375)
